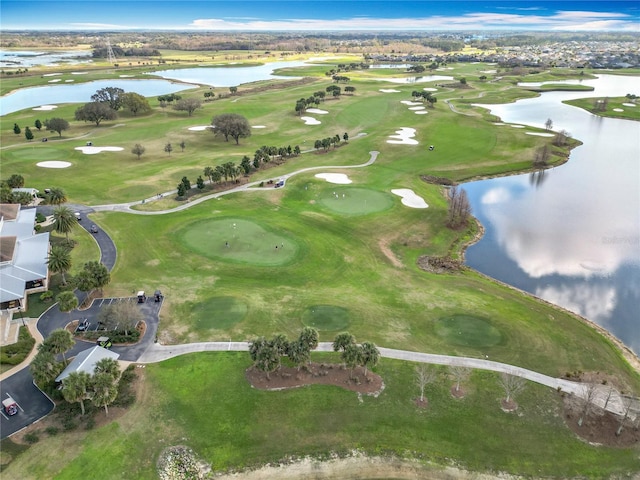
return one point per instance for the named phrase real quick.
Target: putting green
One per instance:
(37, 153)
(326, 317)
(239, 240)
(353, 200)
(217, 313)
(468, 331)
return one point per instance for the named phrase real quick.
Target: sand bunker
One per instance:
(259, 126)
(540, 134)
(629, 104)
(416, 108)
(404, 136)
(499, 123)
(200, 128)
(79, 73)
(407, 102)
(409, 198)
(310, 121)
(389, 90)
(69, 81)
(94, 150)
(45, 107)
(317, 110)
(51, 74)
(55, 80)
(126, 76)
(618, 110)
(53, 164)
(421, 112)
(339, 178)
(430, 89)
(516, 126)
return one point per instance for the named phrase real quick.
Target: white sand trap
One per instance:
(540, 134)
(416, 108)
(310, 121)
(339, 178)
(69, 81)
(618, 109)
(200, 128)
(94, 150)
(317, 110)
(488, 71)
(407, 102)
(55, 80)
(51, 74)
(430, 89)
(409, 198)
(421, 112)
(79, 73)
(53, 164)
(389, 90)
(404, 136)
(499, 123)
(259, 126)
(629, 104)
(126, 76)
(516, 126)
(45, 107)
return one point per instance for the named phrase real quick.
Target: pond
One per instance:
(570, 235)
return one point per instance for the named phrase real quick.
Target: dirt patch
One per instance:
(384, 247)
(508, 405)
(317, 374)
(439, 264)
(421, 403)
(458, 392)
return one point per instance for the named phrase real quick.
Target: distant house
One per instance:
(23, 259)
(86, 361)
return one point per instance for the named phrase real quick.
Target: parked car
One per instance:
(83, 325)
(94, 229)
(9, 406)
(78, 216)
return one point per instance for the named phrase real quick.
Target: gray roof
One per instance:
(86, 361)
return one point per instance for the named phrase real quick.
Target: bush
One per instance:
(91, 423)
(46, 296)
(15, 353)
(69, 424)
(40, 217)
(31, 438)
(52, 431)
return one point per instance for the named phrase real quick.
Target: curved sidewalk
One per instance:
(604, 396)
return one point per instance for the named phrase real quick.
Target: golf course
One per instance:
(336, 248)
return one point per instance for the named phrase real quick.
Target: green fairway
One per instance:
(238, 240)
(468, 330)
(216, 313)
(353, 200)
(326, 318)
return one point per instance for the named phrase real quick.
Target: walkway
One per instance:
(614, 404)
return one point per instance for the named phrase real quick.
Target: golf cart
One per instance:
(141, 297)
(104, 342)
(9, 406)
(157, 296)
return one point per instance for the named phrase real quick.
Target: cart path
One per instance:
(157, 353)
(126, 207)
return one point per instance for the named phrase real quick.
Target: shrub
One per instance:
(52, 431)
(46, 296)
(40, 217)
(91, 423)
(69, 424)
(15, 353)
(31, 438)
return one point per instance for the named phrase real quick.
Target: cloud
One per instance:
(561, 20)
(595, 302)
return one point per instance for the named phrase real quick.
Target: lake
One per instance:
(570, 235)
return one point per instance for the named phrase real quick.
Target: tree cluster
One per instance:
(93, 276)
(353, 355)
(303, 103)
(267, 354)
(459, 209)
(424, 96)
(231, 125)
(327, 142)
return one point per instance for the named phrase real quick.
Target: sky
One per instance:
(320, 15)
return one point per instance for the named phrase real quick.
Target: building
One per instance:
(23, 262)
(86, 361)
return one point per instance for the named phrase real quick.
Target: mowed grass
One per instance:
(468, 330)
(326, 318)
(203, 401)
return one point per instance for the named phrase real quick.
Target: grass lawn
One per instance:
(345, 259)
(617, 107)
(204, 401)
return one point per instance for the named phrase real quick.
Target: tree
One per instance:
(57, 125)
(93, 276)
(95, 112)
(108, 317)
(342, 341)
(168, 148)
(15, 181)
(298, 353)
(548, 124)
(182, 145)
(28, 134)
(345, 137)
(542, 156)
(60, 340)
(511, 384)
(187, 184)
(265, 355)
(138, 150)
(181, 190)
(233, 90)
(588, 400)
(108, 366)
(425, 375)
(188, 105)
(105, 390)
(231, 125)
(112, 96)
(38, 124)
(75, 388)
(627, 403)
(135, 103)
(59, 261)
(459, 208)
(352, 357)
(44, 367)
(208, 172)
(459, 374)
(57, 196)
(16, 129)
(561, 138)
(370, 356)
(309, 338)
(200, 182)
(64, 220)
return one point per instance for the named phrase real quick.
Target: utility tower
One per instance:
(111, 58)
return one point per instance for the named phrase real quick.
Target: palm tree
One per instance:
(57, 196)
(105, 390)
(75, 388)
(44, 367)
(67, 301)
(65, 220)
(370, 356)
(59, 261)
(108, 366)
(59, 341)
